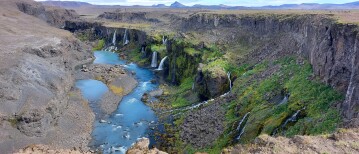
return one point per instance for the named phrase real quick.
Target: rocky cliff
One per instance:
(331, 47)
(53, 15)
(37, 101)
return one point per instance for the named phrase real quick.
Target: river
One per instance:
(132, 119)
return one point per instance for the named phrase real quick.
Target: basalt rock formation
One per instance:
(130, 17)
(331, 47)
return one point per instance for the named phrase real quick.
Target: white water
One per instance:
(292, 118)
(114, 38)
(154, 59)
(164, 41)
(143, 50)
(230, 81)
(240, 134)
(196, 105)
(193, 86)
(161, 64)
(240, 123)
(125, 38)
(285, 100)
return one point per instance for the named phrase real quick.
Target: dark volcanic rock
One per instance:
(202, 127)
(127, 16)
(331, 47)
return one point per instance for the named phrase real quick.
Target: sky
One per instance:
(210, 2)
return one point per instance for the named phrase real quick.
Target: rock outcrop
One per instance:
(52, 15)
(129, 17)
(141, 147)
(37, 102)
(202, 127)
(344, 141)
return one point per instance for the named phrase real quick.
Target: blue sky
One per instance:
(210, 2)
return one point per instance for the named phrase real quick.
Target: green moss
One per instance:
(192, 51)
(161, 49)
(100, 45)
(265, 117)
(13, 122)
(136, 56)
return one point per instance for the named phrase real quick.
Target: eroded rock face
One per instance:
(37, 103)
(118, 15)
(202, 127)
(331, 48)
(52, 15)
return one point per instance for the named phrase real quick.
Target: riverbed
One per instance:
(132, 119)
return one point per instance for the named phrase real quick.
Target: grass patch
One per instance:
(100, 45)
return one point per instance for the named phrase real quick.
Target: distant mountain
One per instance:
(159, 6)
(304, 6)
(177, 5)
(66, 4)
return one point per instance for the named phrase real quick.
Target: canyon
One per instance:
(222, 82)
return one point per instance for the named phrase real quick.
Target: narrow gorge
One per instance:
(161, 81)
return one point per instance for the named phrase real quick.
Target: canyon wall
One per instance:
(330, 47)
(38, 104)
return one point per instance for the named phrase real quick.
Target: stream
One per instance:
(132, 119)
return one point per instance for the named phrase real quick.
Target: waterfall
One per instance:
(240, 124)
(285, 99)
(193, 86)
(154, 59)
(230, 81)
(143, 50)
(240, 134)
(125, 38)
(164, 40)
(161, 64)
(114, 38)
(292, 118)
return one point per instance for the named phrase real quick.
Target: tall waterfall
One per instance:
(125, 38)
(114, 38)
(164, 40)
(230, 81)
(154, 59)
(161, 64)
(240, 124)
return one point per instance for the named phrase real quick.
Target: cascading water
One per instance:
(143, 50)
(240, 124)
(114, 38)
(125, 38)
(154, 59)
(161, 64)
(164, 40)
(293, 118)
(230, 81)
(285, 99)
(193, 86)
